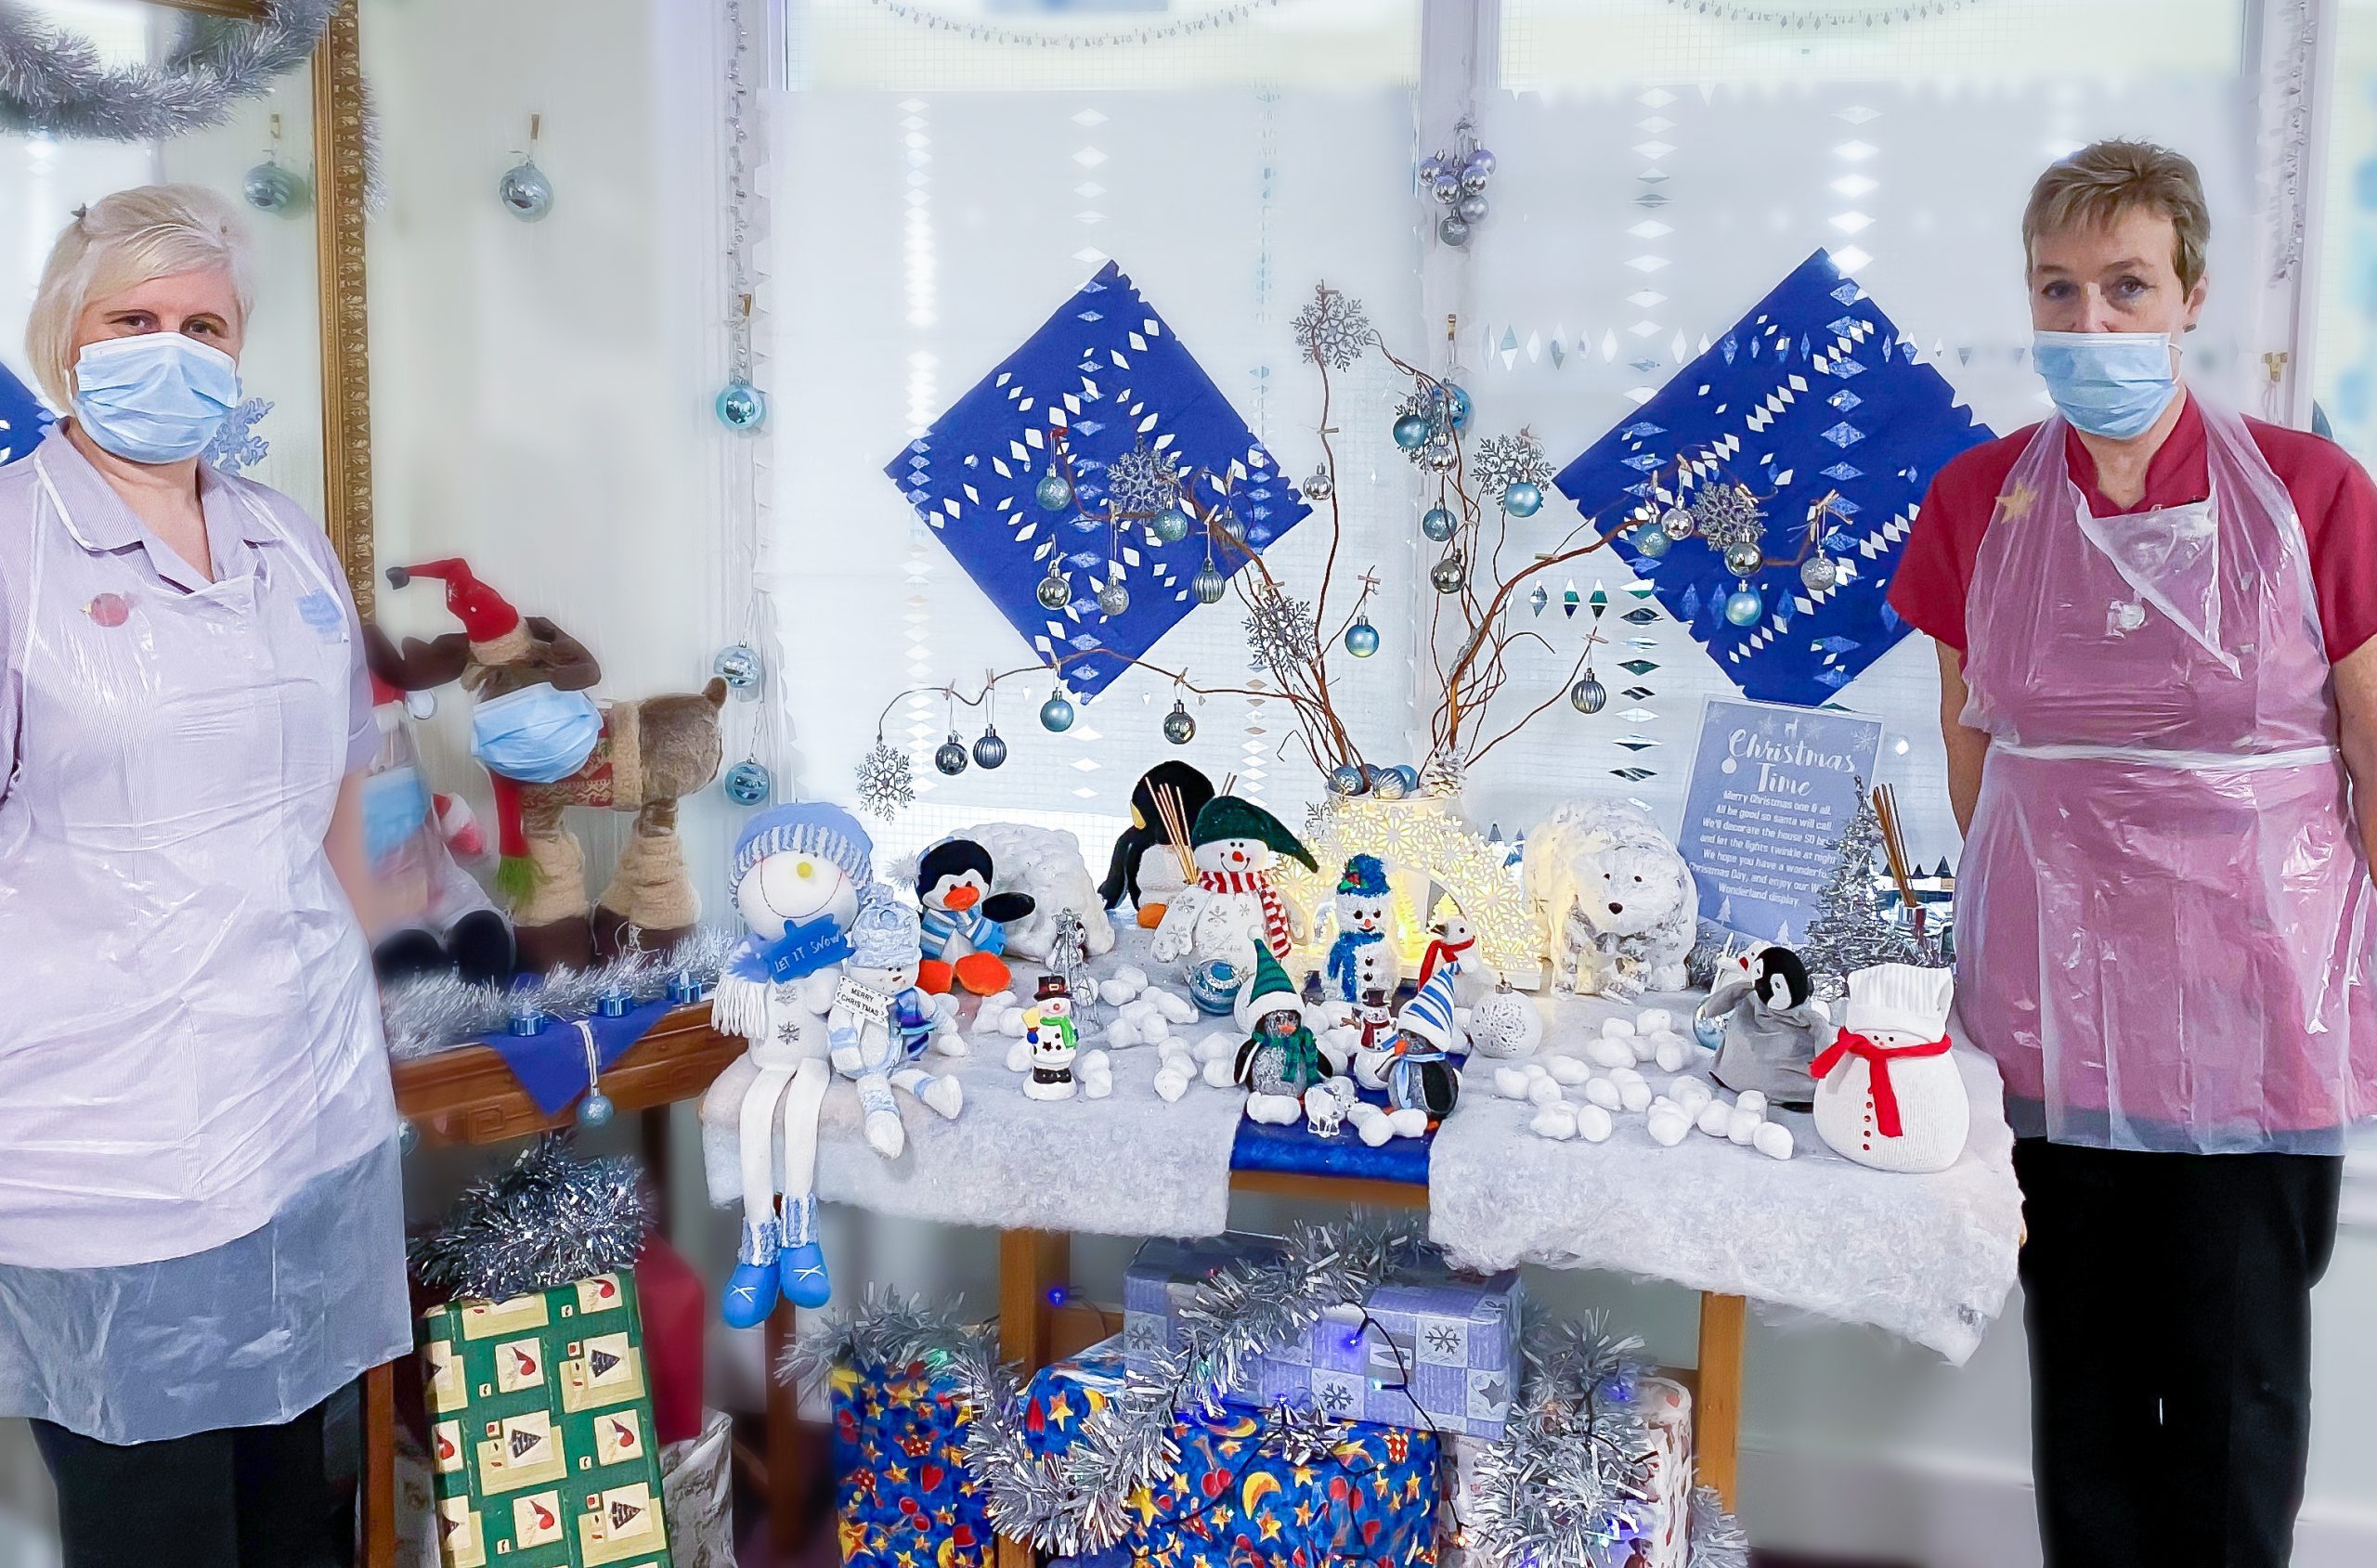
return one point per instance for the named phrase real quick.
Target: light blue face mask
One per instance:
(536, 735)
(156, 398)
(2112, 384)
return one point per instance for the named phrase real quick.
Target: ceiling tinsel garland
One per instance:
(54, 81)
(436, 1012)
(550, 1218)
(1881, 14)
(980, 32)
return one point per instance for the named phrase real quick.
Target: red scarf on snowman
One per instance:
(1274, 911)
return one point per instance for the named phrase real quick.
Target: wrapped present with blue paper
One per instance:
(1259, 1487)
(1431, 1350)
(902, 1495)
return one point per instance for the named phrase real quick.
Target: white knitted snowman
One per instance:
(1888, 1092)
(1236, 907)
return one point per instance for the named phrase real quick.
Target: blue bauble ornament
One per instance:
(747, 783)
(1411, 432)
(1410, 775)
(271, 189)
(595, 1109)
(1650, 541)
(1456, 405)
(1389, 784)
(1171, 524)
(524, 191)
(991, 750)
(1436, 523)
(951, 758)
(1213, 986)
(1057, 713)
(1708, 1031)
(1819, 572)
(1361, 638)
(1345, 779)
(1522, 498)
(740, 406)
(1743, 606)
(1208, 585)
(739, 666)
(1179, 725)
(1232, 526)
(1054, 492)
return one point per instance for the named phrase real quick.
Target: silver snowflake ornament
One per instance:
(886, 782)
(1726, 514)
(1333, 331)
(1280, 633)
(1143, 480)
(1502, 462)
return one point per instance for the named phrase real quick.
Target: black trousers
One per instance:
(2168, 1299)
(241, 1497)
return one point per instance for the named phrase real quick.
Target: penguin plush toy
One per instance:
(1149, 886)
(964, 923)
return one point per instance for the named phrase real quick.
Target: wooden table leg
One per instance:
(1033, 1266)
(1716, 1413)
(787, 1481)
(379, 1475)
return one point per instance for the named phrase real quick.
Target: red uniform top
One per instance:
(2331, 493)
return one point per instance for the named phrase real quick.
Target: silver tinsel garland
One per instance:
(436, 1012)
(1561, 1486)
(1716, 1537)
(54, 81)
(551, 1218)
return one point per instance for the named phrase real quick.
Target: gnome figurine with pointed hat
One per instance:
(1235, 910)
(1280, 1058)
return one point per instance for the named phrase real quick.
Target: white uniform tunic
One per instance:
(200, 1223)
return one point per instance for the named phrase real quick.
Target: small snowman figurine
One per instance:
(1362, 960)
(1280, 1058)
(1888, 1092)
(1050, 1042)
(1236, 908)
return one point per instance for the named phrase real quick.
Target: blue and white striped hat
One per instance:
(886, 934)
(1429, 1014)
(805, 828)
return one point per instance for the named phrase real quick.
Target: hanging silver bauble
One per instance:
(1445, 188)
(1429, 169)
(1055, 492)
(1449, 574)
(1587, 696)
(1171, 524)
(524, 191)
(1453, 230)
(1179, 725)
(1054, 591)
(951, 758)
(1441, 455)
(1819, 572)
(1744, 559)
(1473, 181)
(271, 189)
(1479, 161)
(991, 749)
(1471, 209)
(1436, 523)
(1112, 598)
(1208, 585)
(1232, 526)
(1319, 487)
(1677, 523)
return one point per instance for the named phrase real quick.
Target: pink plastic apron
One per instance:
(189, 1030)
(2165, 928)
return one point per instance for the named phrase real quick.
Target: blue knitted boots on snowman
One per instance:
(752, 1289)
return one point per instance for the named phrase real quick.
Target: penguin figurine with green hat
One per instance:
(1280, 1058)
(1236, 909)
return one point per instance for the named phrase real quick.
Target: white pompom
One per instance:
(1568, 1069)
(1543, 1092)
(1625, 1075)
(1217, 1047)
(1134, 1011)
(1750, 1099)
(1121, 1034)
(1113, 992)
(944, 1008)
(1671, 1055)
(1019, 1057)
(1772, 1140)
(1609, 1053)
(1668, 1128)
(1408, 1123)
(1691, 1094)
(1743, 1126)
(1511, 1084)
(1603, 1092)
(1635, 1096)
(1556, 1122)
(1171, 1083)
(1093, 1061)
(1152, 1028)
(1218, 1072)
(1716, 1119)
(1616, 1029)
(1645, 1048)
(996, 1000)
(1133, 976)
(1654, 1020)
(1098, 1087)
(1369, 1123)
(1176, 1009)
(1011, 1023)
(1593, 1123)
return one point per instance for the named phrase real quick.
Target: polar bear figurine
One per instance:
(1615, 903)
(1044, 862)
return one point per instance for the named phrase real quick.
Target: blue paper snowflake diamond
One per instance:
(1134, 409)
(22, 419)
(1770, 407)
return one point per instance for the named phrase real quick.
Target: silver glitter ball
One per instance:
(525, 192)
(1113, 598)
(1819, 572)
(1453, 230)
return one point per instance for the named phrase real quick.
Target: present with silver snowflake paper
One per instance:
(1431, 1349)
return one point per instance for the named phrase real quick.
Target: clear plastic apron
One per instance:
(191, 1034)
(2164, 924)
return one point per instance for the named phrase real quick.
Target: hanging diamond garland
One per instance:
(1538, 599)
(886, 783)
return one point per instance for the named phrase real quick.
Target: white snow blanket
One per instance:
(1928, 1258)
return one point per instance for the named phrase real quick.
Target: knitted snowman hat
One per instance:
(1429, 1015)
(1227, 816)
(886, 934)
(1273, 992)
(1364, 877)
(1899, 998)
(805, 828)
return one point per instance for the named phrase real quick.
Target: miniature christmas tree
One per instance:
(1849, 933)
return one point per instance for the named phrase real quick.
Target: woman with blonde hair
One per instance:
(200, 1219)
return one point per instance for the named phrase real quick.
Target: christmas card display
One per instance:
(1100, 411)
(1797, 447)
(1429, 1349)
(1278, 1486)
(902, 1498)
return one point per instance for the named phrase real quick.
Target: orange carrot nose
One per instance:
(961, 899)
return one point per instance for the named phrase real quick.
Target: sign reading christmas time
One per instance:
(1773, 790)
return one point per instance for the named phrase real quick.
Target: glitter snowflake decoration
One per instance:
(1143, 480)
(236, 447)
(1502, 462)
(1333, 331)
(1726, 514)
(1280, 633)
(885, 781)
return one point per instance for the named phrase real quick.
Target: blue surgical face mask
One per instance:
(2112, 384)
(536, 735)
(155, 397)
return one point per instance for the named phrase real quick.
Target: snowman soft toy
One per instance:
(1888, 1092)
(796, 872)
(1362, 959)
(1236, 909)
(876, 1011)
